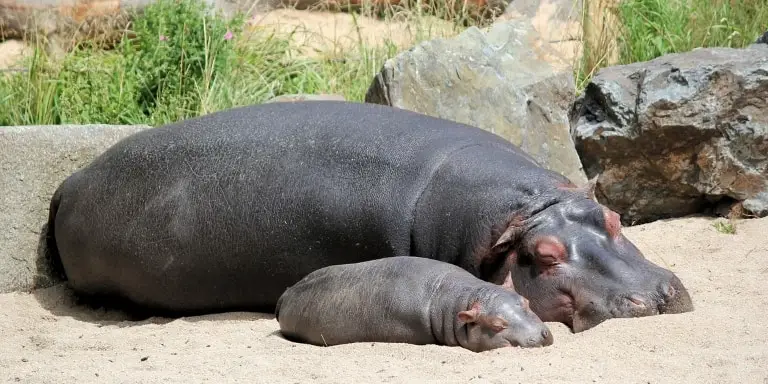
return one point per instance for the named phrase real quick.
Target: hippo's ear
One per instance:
(496, 324)
(612, 222)
(506, 239)
(471, 315)
(587, 189)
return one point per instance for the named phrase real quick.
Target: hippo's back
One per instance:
(226, 210)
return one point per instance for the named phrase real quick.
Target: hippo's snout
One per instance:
(547, 338)
(675, 298)
(669, 297)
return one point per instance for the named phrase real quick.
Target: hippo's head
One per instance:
(503, 319)
(570, 259)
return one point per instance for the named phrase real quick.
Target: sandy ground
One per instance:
(325, 33)
(45, 339)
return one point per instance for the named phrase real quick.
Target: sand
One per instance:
(329, 34)
(47, 339)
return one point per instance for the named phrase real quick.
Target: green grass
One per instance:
(658, 27)
(727, 228)
(176, 64)
(177, 61)
(652, 28)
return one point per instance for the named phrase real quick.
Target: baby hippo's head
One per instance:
(502, 318)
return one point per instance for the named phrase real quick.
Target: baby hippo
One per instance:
(407, 299)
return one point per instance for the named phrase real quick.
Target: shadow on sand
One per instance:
(53, 294)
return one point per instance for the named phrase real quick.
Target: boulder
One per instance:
(678, 135)
(507, 81)
(33, 161)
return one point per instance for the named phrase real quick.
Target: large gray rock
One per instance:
(33, 161)
(507, 81)
(679, 134)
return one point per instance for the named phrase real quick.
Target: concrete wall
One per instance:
(34, 160)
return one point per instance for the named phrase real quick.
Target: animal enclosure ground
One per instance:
(45, 339)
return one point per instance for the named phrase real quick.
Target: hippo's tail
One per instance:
(52, 250)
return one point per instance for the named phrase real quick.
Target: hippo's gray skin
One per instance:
(406, 299)
(225, 211)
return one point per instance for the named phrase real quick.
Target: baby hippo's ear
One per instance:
(471, 315)
(495, 323)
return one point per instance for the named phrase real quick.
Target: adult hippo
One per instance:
(225, 211)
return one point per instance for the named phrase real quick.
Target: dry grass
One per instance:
(321, 52)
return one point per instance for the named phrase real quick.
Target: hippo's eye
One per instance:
(546, 260)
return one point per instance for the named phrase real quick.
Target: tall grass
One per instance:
(658, 27)
(647, 29)
(178, 59)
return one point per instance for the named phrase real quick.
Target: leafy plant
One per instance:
(725, 227)
(179, 47)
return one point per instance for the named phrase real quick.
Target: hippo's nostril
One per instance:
(676, 298)
(668, 291)
(546, 338)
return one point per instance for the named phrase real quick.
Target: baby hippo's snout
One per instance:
(530, 331)
(539, 337)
